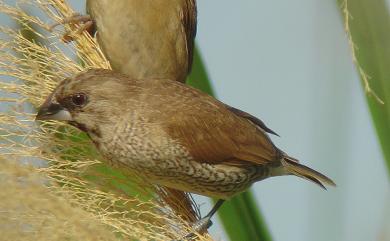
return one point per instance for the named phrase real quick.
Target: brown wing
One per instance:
(209, 131)
(252, 119)
(189, 22)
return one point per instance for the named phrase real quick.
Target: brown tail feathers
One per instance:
(293, 167)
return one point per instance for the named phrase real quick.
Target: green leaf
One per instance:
(242, 219)
(369, 28)
(240, 216)
(198, 77)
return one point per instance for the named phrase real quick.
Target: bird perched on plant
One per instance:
(201, 146)
(143, 38)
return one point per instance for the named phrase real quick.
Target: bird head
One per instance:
(84, 100)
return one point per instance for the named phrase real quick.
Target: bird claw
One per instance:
(85, 23)
(203, 224)
(200, 227)
(74, 19)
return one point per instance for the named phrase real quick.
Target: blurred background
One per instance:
(289, 63)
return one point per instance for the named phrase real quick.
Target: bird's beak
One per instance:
(53, 111)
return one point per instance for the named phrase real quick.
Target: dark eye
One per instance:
(79, 99)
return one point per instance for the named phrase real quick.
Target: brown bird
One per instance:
(143, 38)
(201, 146)
(156, 34)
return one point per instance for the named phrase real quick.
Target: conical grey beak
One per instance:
(53, 111)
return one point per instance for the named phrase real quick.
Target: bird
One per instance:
(142, 38)
(157, 34)
(201, 145)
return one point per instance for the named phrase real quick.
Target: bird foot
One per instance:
(200, 227)
(85, 23)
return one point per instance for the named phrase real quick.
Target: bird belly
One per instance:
(142, 38)
(147, 152)
(219, 181)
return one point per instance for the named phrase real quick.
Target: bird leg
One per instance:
(86, 24)
(203, 224)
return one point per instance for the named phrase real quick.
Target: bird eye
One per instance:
(79, 99)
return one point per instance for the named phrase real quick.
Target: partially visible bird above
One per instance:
(201, 145)
(143, 38)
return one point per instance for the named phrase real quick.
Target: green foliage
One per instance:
(242, 219)
(368, 24)
(198, 77)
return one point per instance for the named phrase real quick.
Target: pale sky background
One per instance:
(288, 62)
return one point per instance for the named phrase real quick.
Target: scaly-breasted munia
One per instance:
(142, 38)
(146, 38)
(201, 145)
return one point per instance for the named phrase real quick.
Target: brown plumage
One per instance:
(201, 146)
(146, 38)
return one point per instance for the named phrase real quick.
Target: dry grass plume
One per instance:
(76, 197)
